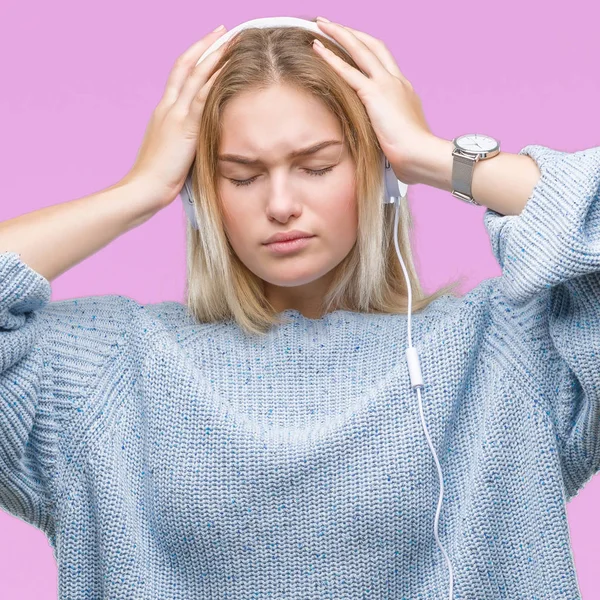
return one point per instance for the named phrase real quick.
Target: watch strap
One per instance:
(462, 176)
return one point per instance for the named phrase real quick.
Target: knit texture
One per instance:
(166, 459)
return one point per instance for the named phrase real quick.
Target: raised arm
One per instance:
(503, 183)
(54, 239)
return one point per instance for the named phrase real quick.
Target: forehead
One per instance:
(278, 119)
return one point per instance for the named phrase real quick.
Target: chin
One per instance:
(289, 280)
(290, 273)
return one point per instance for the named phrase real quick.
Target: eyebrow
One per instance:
(244, 160)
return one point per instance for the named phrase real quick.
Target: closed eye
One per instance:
(313, 172)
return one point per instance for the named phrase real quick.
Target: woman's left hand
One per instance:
(393, 105)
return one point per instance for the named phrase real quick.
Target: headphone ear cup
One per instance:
(187, 197)
(395, 189)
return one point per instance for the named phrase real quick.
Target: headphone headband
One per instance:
(264, 23)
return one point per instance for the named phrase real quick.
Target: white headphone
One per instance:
(395, 192)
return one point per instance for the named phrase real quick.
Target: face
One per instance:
(314, 193)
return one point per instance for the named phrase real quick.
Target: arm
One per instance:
(503, 183)
(51, 355)
(51, 240)
(549, 296)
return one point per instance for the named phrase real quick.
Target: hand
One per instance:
(169, 145)
(393, 106)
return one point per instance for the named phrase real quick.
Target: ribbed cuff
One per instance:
(22, 290)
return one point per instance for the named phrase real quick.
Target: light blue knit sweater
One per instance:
(164, 459)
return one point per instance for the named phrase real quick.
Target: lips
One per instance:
(288, 236)
(289, 246)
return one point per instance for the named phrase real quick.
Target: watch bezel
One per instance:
(480, 153)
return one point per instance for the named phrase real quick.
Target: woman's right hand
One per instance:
(169, 145)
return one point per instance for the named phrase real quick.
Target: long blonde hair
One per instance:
(370, 278)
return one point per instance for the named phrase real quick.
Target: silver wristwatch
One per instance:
(468, 149)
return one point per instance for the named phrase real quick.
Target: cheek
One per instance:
(339, 224)
(234, 219)
(350, 219)
(345, 210)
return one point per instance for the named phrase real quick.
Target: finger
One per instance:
(368, 62)
(197, 78)
(198, 101)
(380, 50)
(355, 78)
(184, 63)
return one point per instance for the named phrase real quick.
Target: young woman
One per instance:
(215, 449)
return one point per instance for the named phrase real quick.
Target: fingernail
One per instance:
(219, 28)
(318, 43)
(323, 19)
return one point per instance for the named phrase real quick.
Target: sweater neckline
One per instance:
(296, 314)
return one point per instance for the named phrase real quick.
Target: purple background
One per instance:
(80, 80)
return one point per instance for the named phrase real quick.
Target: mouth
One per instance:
(289, 236)
(292, 245)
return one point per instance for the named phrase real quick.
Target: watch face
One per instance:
(476, 142)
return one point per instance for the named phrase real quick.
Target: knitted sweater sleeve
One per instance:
(50, 353)
(550, 260)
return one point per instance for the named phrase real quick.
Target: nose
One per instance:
(283, 201)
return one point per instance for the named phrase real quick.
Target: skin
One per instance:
(268, 125)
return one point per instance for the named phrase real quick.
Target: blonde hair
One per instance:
(370, 278)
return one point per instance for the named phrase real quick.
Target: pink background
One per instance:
(80, 80)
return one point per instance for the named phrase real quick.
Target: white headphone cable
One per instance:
(417, 383)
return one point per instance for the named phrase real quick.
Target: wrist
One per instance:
(142, 201)
(430, 164)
